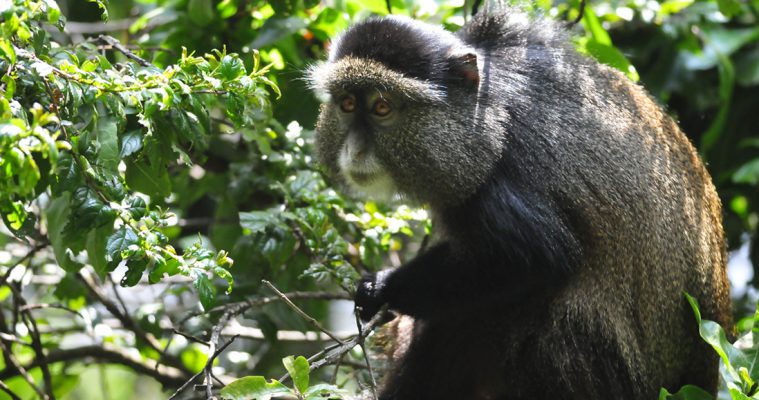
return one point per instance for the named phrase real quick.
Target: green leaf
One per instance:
(97, 240)
(687, 392)
(257, 221)
(136, 267)
(131, 142)
(206, 289)
(253, 388)
(713, 334)
(7, 51)
(67, 172)
(57, 214)
(88, 210)
(231, 68)
(594, 28)
(148, 178)
(278, 248)
(108, 143)
(748, 173)
(137, 207)
(726, 85)
(201, 12)
(729, 8)
(322, 391)
(226, 8)
(118, 242)
(299, 370)
(609, 55)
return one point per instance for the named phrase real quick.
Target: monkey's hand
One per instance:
(369, 294)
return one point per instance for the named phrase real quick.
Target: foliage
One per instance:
(738, 366)
(135, 158)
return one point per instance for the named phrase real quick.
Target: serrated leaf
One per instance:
(253, 388)
(135, 269)
(257, 221)
(88, 210)
(131, 142)
(137, 207)
(231, 68)
(119, 242)
(164, 266)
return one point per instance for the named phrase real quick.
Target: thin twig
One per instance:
(128, 323)
(34, 332)
(115, 289)
(338, 351)
(580, 14)
(302, 313)
(8, 391)
(31, 324)
(23, 372)
(29, 307)
(190, 337)
(11, 338)
(210, 361)
(22, 260)
(362, 338)
(111, 41)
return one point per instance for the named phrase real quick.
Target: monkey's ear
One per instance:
(464, 68)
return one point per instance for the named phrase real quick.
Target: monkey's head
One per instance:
(401, 113)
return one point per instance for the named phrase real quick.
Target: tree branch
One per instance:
(167, 376)
(18, 369)
(8, 391)
(311, 320)
(118, 46)
(127, 321)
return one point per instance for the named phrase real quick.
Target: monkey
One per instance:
(569, 211)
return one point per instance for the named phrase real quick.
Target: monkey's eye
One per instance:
(348, 104)
(382, 108)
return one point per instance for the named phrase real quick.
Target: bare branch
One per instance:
(311, 320)
(580, 13)
(334, 353)
(22, 260)
(167, 376)
(208, 363)
(118, 46)
(361, 339)
(18, 369)
(127, 321)
(8, 391)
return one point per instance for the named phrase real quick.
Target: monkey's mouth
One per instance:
(363, 178)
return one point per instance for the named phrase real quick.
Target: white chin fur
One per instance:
(367, 177)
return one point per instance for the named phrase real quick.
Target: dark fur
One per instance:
(560, 276)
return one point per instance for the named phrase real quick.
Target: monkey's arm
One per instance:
(441, 280)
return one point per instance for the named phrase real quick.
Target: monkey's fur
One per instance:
(570, 212)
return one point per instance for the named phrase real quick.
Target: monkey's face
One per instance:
(387, 135)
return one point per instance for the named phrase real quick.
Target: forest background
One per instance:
(165, 230)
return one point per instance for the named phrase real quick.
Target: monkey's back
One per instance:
(634, 192)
